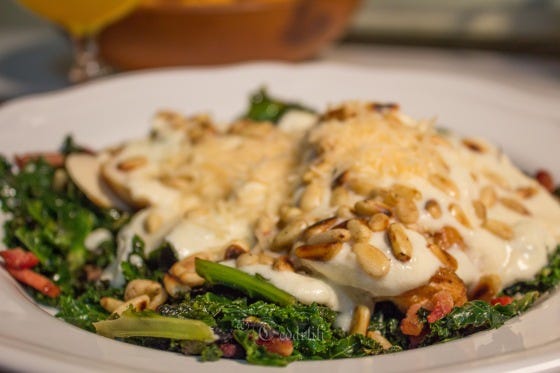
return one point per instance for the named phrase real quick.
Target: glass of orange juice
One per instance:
(82, 20)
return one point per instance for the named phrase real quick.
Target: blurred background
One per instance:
(513, 41)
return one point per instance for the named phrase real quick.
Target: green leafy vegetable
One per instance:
(256, 354)
(475, 316)
(310, 327)
(386, 319)
(152, 267)
(53, 224)
(220, 274)
(265, 108)
(84, 310)
(151, 324)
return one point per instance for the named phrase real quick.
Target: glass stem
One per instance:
(86, 65)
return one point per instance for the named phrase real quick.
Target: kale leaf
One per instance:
(52, 220)
(152, 267)
(85, 309)
(265, 108)
(310, 327)
(475, 316)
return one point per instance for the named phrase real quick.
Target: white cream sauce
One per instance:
(345, 270)
(96, 238)
(309, 290)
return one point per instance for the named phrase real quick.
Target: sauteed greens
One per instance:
(234, 314)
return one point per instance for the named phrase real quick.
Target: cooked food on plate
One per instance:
(284, 235)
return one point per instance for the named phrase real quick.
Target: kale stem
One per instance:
(233, 278)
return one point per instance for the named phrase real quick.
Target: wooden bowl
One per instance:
(172, 34)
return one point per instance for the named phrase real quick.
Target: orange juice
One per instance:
(81, 17)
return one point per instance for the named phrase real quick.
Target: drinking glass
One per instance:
(82, 20)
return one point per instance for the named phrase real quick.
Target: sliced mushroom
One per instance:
(85, 170)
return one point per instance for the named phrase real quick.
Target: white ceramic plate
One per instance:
(106, 111)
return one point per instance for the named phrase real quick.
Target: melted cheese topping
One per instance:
(374, 150)
(212, 188)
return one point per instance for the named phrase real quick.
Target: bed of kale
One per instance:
(52, 218)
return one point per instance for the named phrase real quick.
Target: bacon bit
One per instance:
(55, 159)
(17, 258)
(545, 179)
(277, 345)
(232, 350)
(411, 324)
(503, 300)
(443, 304)
(93, 273)
(36, 281)
(415, 340)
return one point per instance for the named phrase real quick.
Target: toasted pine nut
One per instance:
(344, 212)
(247, 259)
(132, 163)
(444, 257)
(458, 213)
(360, 320)
(400, 244)
(340, 196)
(448, 236)
(235, 249)
(432, 206)
(312, 196)
(139, 303)
(288, 235)
(153, 222)
(318, 227)
(526, 192)
(474, 145)
(283, 263)
(370, 207)
(389, 197)
(377, 337)
(405, 192)
(289, 214)
(265, 259)
(184, 270)
(479, 209)
(406, 211)
(488, 196)
(444, 184)
(60, 179)
(360, 186)
(173, 287)
(499, 229)
(514, 205)
(372, 260)
(179, 183)
(110, 304)
(333, 235)
(496, 179)
(378, 222)
(340, 180)
(152, 289)
(320, 252)
(359, 230)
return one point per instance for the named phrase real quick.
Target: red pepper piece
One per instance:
(18, 258)
(443, 304)
(55, 159)
(36, 281)
(503, 300)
